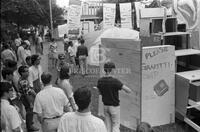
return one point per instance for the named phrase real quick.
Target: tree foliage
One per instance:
(28, 12)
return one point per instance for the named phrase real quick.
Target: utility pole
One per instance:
(51, 21)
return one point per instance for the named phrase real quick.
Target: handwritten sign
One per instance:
(125, 13)
(108, 15)
(158, 85)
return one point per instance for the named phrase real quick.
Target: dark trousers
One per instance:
(29, 111)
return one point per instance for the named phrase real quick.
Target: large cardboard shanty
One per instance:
(158, 85)
(152, 97)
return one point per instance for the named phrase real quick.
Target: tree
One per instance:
(28, 12)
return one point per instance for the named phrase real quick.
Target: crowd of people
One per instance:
(27, 92)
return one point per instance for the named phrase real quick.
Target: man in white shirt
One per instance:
(10, 119)
(82, 120)
(35, 72)
(22, 54)
(7, 54)
(50, 104)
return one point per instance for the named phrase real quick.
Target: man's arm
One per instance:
(126, 89)
(17, 129)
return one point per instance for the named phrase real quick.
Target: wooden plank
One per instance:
(152, 12)
(158, 85)
(192, 124)
(186, 52)
(126, 54)
(190, 75)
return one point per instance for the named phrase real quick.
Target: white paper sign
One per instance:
(125, 13)
(109, 15)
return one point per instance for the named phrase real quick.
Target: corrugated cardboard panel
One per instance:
(158, 85)
(126, 54)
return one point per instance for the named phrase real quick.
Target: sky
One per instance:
(62, 3)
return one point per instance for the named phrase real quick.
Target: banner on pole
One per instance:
(74, 18)
(109, 11)
(126, 16)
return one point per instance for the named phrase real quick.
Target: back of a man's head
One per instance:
(82, 97)
(82, 41)
(144, 127)
(108, 66)
(46, 78)
(6, 72)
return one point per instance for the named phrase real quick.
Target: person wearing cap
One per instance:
(35, 72)
(27, 97)
(81, 120)
(22, 54)
(10, 119)
(109, 88)
(50, 104)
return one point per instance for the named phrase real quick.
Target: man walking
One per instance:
(109, 89)
(82, 54)
(49, 104)
(82, 120)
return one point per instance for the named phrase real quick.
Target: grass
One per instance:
(90, 80)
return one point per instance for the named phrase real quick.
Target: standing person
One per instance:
(9, 115)
(50, 104)
(71, 55)
(22, 54)
(39, 45)
(35, 72)
(76, 44)
(17, 41)
(82, 120)
(28, 61)
(61, 63)
(27, 97)
(53, 53)
(7, 54)
(109, 89)
(82, 54)
(27, 48)
(66, 40)
(64, 84)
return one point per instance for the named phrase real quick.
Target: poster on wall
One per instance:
(126, 16)
(109, 11)
(74, 18)
(158, 85)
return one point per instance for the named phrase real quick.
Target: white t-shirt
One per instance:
(9, 116)
(71, 51)
(66, 86)
(21, 55)
(34, 74)
(81, 122)
(50, 102)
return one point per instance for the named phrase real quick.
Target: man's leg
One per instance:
(107, 119)
(115, 117)
(81, 64)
